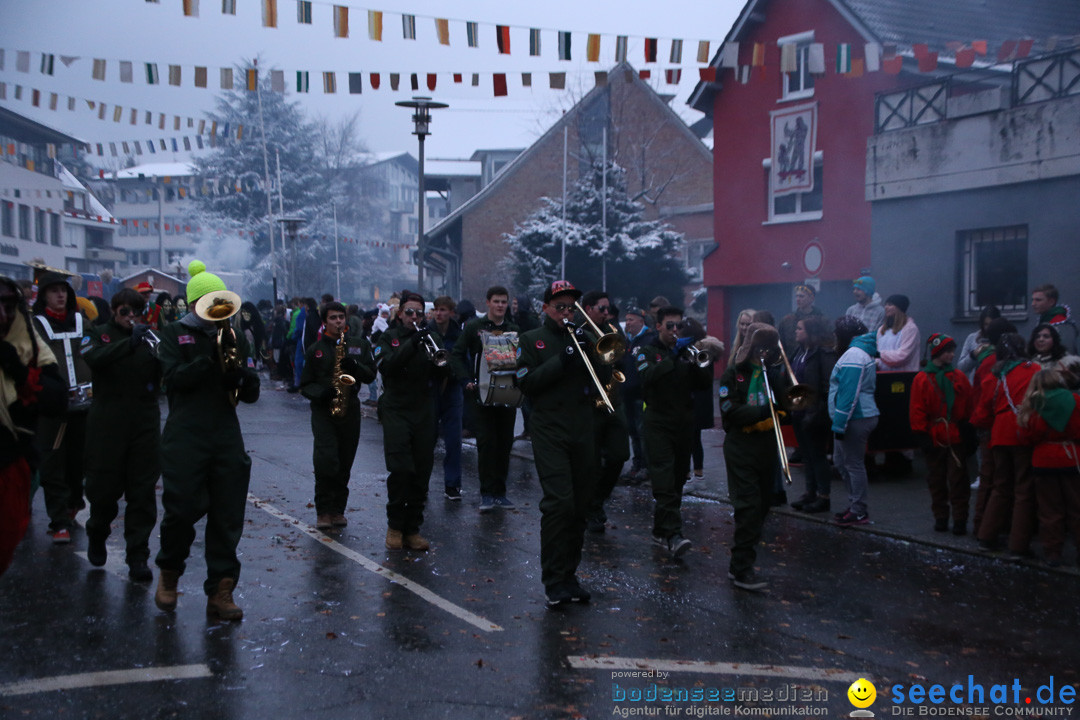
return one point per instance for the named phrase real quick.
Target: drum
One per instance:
(499, 389)
(497, 371)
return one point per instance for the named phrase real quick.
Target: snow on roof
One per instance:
(378, 157)
(456, 168)
(72, 184)
(154, 170)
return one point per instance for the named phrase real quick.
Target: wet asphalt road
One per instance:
(467, 635)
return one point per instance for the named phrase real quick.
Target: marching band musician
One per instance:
(750, 448)
(204, 468)
(123, 434)
(610, 428)
(407, 414)
(62, 438)
(494, 423)
(669, 376)
(335, 410)
(553, 374)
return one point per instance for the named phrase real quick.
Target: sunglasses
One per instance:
(124, 311)
(671, 324)
(606, 309)
(412, 312)
(563, 307)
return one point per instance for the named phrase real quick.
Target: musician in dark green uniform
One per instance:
(406, 356)
(204, 468)
(553, 374)
(751, 454)
(669, 376)
(123, 433)
(335, 410)
(611, 429)
(494, 423)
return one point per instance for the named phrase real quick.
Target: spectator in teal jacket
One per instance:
(854, 413)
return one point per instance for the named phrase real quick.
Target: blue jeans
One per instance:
(848, 459)
(448, 414)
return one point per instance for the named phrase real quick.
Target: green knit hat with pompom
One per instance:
(201, 282)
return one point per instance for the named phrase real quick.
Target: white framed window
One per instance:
(797, 207)
(694, 252)
(799, 84)
(992, 269)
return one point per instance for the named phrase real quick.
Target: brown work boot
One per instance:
(323, 521)
(221, 602)
(416, 542)
(394, 540)
(165, 597)
(338, 520)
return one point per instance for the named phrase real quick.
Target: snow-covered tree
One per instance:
(315, 158)
(640, 258)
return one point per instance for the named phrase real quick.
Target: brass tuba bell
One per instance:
(217, 307)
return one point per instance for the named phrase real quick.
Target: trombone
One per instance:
(777, 434)
(436, 354)
(610, 347)
(800, 395)
(570, 328)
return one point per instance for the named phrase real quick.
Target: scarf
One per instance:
(1057, 407)
(19, 337)
(1007, 367)
(944, 384)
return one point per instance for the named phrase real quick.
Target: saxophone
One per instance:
(340, 381)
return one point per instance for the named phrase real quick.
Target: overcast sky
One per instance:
(141, 32)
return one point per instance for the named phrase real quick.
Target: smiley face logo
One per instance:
(862, 693)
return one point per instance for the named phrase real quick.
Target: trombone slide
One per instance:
(588, 366)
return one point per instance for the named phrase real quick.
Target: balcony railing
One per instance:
(967, 93)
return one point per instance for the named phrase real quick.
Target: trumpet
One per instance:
(698, 356)
(777, 434)
(610, 346)
(603, 397)
(436, 354)
(218, 307)
(152, 341)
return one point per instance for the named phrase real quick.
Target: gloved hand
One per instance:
(233, 379)
(683, 343)
(10, 363)
(423, 331)
(138, 332)
(579, 333)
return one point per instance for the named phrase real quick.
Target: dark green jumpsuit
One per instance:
(750, 456)
(494, 423)
(204, 468)
(335, 439)
(667, 381)
(123, 437)
(407, 413)
(553, 376)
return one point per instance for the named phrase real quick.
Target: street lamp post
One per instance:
(422, 107)
(291, 228)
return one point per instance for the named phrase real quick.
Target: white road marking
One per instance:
(371, 565)
(106, 677)
(712, 668)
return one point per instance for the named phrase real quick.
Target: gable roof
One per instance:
(934, 22)
(624, 70)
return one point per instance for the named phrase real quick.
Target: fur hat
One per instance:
(759, 335)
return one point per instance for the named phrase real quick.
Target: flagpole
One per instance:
(337, 259)
(562, 263)
(266, 180)
(603, 213)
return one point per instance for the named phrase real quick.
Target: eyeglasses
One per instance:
(563, 307)
(412, 312)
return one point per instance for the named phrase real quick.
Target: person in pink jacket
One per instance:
(898, 340)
